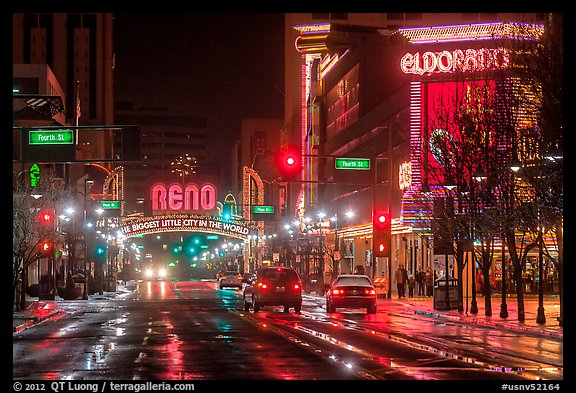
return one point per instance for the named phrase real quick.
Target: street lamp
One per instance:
(448, 209)
(86, 271)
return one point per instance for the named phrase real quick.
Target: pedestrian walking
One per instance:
(480, 283)
(421, 282)
(401, 279)
(411, 285)
(429, 279)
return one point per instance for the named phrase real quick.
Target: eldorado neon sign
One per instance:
(468, 60)
(177, 197)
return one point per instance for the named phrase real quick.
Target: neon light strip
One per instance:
(313, 28)
(328, 63)
(474, 32)
(416, 131)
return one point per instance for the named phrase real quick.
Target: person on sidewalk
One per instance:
(411, 285)
(429, 282)
(401, 278)
(480, 283)
(421, 283)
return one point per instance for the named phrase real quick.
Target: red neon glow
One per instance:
(468, 60)
(191, 198)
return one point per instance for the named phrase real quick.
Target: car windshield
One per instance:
(231, 273)
(346, 281)
(279, 275)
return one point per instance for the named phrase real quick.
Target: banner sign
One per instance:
(185, 222)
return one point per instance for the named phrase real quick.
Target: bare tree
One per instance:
(28, 232)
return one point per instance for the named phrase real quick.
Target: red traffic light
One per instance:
(381, 233)
(381, 219)
(289, 163)
(45, 247)
(46, 216)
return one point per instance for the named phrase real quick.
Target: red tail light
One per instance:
(337, 292)
(261, 285)
(370, 292)
(239, 277)
(296, 286)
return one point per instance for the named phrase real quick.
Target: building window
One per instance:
(316, 16)
(414, 16)
(469, 16)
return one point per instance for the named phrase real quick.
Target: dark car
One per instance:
(274, 286)
(351, 291)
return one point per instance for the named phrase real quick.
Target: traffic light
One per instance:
(45, 248)
(381, 233)
(46, 217)
(99, 252)
(289, 163)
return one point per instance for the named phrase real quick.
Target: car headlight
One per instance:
(149, 273)
(162, 273)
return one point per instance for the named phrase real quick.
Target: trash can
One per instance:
(441, 286)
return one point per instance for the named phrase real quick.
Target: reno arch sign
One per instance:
(468, 60)
(176, 197)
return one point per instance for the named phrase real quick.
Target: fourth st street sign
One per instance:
(362, 164)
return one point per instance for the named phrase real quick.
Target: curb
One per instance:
(482, 323)
(35, 321)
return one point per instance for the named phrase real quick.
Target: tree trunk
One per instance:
(487, 289)
(24, 282)
(520, 294)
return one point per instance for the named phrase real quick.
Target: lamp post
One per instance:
(86, 271)
(321, 216)
(448, 209)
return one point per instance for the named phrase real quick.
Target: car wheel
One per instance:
(286, 308)
(371, 309)
(297, 308)
(329, 307)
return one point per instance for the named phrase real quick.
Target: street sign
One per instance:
(110, 204)
(51, 137)
(263, 209)
(362, 164)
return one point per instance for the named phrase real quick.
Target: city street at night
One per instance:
(215, 199)
(172, 330)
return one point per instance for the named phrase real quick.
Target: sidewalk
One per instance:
(424, 306)
(39, 311)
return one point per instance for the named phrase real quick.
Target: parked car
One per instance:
(230, 279)
(274, 286)
(351, 291)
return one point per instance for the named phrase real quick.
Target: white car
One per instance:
(152, 273)
(230, 279)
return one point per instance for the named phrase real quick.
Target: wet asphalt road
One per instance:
(175, 330)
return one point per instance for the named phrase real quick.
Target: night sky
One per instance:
(224, 67)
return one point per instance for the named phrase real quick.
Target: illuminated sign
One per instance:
(185, 222)
(34, 175)
(51, 137)
(110, 204)
(263, 209)
(178, 197)
(362, 164)
(405, 175)
(468, 60)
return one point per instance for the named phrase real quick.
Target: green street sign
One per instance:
(51, 137)
(263, 209)
(361, 164)
(110, 204)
